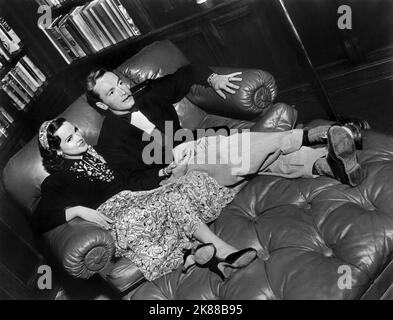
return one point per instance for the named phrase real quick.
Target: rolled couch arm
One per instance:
(257, 92)
(279, 117)
(82, 247)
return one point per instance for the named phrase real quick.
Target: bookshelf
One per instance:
(21, 82)
(80, 29)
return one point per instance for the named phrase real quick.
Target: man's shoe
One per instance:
(342, 156)
(318, 134)
(356, 134)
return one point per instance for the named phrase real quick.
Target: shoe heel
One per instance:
(187, 253)
(356, 176)
(213, 266)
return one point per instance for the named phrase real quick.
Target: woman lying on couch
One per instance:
(159, 229)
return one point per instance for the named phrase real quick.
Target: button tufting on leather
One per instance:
(263, 255)
(327, 252)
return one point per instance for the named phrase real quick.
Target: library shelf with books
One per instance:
(81, 29)
(21, 82)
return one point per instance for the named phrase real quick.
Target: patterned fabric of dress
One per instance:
(153, 227)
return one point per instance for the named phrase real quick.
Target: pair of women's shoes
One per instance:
(205, 257)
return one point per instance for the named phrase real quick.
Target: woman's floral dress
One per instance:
(153, 227)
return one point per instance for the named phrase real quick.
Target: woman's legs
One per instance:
(219, 256)
(205, 235)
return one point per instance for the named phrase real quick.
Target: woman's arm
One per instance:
(88, 215)
(58, 205)
(54, 199)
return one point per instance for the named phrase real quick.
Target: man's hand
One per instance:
(222, 82)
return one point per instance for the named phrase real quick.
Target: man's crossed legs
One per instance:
(288, 154)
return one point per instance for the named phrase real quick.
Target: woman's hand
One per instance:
(182, 150)
(88, 215)
(182, 166)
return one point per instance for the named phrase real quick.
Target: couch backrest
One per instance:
(24, 172)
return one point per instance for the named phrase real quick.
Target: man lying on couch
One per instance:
(130, 114)
(122, 145)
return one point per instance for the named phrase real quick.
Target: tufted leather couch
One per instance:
(310, 233)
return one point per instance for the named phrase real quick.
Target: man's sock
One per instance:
(316, 135)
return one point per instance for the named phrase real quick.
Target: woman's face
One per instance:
(72, 143)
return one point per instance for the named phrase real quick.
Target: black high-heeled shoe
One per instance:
(234, 261)
(187, 253)
(203, 253)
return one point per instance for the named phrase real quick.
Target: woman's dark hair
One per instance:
(51, 160)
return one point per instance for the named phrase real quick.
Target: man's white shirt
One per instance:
(139, 120)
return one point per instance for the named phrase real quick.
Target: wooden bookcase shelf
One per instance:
(146, 36)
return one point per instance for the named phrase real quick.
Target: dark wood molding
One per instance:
(339, 76)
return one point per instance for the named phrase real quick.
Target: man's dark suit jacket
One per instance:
(120, 143)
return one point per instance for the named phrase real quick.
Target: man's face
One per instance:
(114, 93)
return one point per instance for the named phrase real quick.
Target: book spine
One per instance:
(93, 26)
(6, 115)
(37, 82)
(130, 23)
(57, 45)
(3, 52)
(18, 89)
(44, 3)
(76, 49)
(102, 16)
(25, 78)
(77, 37)
(17, 101)
(35, 69)
(103, 28)
(119, 18)
(9, 30)
(4, 121)
(3, 131)
(9, 45)
(135, 30)
(109, 13)
(21, 83)
(31, 72)
(87, 33)
(61, 40)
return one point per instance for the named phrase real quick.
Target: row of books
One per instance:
(10, 43)
(53, 3)
(22, 82)
(90, 28)
(6, 124)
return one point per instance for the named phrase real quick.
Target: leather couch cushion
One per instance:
(153, 61)
(307, 231)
